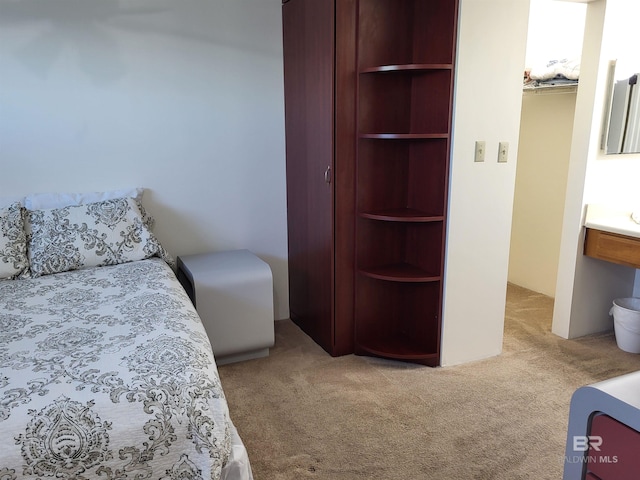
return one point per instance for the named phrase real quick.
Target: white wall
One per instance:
(490, 66)
(184, 98)
(555, 31)
(541, 181)
(587, 286)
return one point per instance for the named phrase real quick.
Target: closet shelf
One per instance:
(550, 90)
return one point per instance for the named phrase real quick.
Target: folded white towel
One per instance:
(565, 68)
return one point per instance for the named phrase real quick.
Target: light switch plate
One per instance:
(503, 152)
(480, 150)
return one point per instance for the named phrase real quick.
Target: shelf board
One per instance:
(399, 348)
(405, 136)
(402, 215)
(551, 89)
(400, 272)
(408, 67)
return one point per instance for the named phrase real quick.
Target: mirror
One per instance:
(621, 132)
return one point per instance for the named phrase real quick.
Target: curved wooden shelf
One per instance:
(408, 67)
(400, 272)
(405, 136)
(402, 215)
(399, 348)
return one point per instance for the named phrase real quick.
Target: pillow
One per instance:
(45, 201)
(90, 235)
(13, 242)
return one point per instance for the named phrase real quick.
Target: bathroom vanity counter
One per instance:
(612, 235)
(611, 220)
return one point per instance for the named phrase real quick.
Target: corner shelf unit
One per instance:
(404, 88)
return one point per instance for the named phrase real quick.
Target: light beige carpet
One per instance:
(303, 414)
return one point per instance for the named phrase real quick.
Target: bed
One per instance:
(106, 370)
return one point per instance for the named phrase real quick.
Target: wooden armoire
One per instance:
(368, 104)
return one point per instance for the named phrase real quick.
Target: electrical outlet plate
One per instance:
(503, 152)
(480, 149)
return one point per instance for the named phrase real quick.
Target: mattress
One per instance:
(108, 373)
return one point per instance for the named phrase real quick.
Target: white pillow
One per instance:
(45, 201)
(89, 235)
(13, 242)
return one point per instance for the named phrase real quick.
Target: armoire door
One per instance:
(308, 37)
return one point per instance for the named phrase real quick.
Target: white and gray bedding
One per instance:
(107, 372)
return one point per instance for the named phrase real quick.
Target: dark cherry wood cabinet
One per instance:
(319, 72)
(368, 95)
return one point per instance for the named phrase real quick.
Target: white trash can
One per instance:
(626, 323)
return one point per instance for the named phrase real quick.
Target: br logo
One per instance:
(582, 443)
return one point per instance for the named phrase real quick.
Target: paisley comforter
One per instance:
(108, 373)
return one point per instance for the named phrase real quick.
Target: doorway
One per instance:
(556, 30)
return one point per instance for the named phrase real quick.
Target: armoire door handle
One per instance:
(327, 174)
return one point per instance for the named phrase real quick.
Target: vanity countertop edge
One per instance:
(612, 220)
